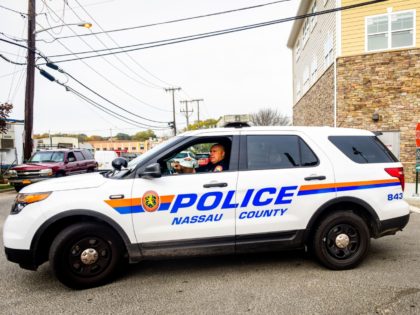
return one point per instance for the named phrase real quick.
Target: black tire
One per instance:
(355, 240)
(86, 238)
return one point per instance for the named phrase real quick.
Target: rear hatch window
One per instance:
(363, 149)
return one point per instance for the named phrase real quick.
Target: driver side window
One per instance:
(71, 157)
(207, 155)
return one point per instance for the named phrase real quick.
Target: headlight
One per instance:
(24, 199)
(46, 172)
(11, 173)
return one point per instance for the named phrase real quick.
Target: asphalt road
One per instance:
(388, 282)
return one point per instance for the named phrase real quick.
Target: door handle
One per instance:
(315, 178)
(215, 185)
(116, 197)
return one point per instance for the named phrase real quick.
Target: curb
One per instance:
(6, 190)
(414, 209)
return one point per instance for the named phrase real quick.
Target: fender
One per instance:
(363, 204)
(133, 250)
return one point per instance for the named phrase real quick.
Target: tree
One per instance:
(123, 136)
(269, 117)
(144, 135)
(95, 138)
(203, 124)
(5, 110)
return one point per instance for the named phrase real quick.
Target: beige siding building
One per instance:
(372, 80)
(129, 146)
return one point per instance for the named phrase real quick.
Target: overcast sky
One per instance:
(238, 73)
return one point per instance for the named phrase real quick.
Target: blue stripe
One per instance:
(315, 191)
(164, 206)
(367, 186)
(123, 210)
(347, 188)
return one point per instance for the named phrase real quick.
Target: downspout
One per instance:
(337, 54)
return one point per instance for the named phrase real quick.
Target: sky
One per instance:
(237, 73)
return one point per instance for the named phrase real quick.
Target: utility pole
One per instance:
(198, 107)
(30, 81)
(173, 104)
(186, 111)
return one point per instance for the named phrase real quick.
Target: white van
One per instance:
(104, 159)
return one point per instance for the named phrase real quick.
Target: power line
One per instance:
(131, 58)
(97, 105)
(119, 59)
(107, 100)
(87, 44)
(180, 20)
(206, 35)
(12, 62)
(24, 15)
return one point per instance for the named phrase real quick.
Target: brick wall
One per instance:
(388, 83)
(316, 107)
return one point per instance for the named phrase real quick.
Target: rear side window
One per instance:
(363, 149)
(87, 155)
(276, 152)
(79, 155)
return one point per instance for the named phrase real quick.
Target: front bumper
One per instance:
(391, 226)
(26, 181)
(23, 257)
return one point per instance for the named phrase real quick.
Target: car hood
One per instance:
(35, 166)
(82, 181)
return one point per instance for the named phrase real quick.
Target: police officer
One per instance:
(217, 160)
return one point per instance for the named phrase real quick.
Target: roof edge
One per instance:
(303, 9)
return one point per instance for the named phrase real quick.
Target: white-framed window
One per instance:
(298, 89)
(306, 26)
(314, 19)
(314, 68)
(298, 50)
(328, 50)
(390, 30)
(306, 78)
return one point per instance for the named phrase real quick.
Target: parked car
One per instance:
(104, 159)
(186, 158)
(203, 158)
(46, 164)
(129, 156)
(326, 189)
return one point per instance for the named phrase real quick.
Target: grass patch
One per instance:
(5, 186)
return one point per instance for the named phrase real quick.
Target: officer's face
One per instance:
(217, 153)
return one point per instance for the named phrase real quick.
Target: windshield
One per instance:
(181, 155)
(47, 157)
(168, 143)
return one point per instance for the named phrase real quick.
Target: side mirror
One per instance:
(119, 163)
(151, 171)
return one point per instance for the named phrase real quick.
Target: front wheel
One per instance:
(341, 241)
(86, 255)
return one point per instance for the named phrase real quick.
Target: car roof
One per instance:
(326, 131)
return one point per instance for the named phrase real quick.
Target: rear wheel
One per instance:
(86, 255)
(341, 241)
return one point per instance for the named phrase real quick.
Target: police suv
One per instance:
(327, 189)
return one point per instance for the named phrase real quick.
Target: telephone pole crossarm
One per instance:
(173, 89)
(198, 107)
(186, 111)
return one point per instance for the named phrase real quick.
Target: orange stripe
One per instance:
(166, 199)
(115, 203)
(346, 184)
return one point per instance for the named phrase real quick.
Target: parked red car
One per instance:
(203, 158)
(51, 163)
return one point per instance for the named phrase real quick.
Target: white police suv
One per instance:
(325, 188)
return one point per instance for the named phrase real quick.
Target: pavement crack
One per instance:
(386, 308)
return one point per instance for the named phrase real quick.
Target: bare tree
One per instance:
(269, 117)
(5, 110)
